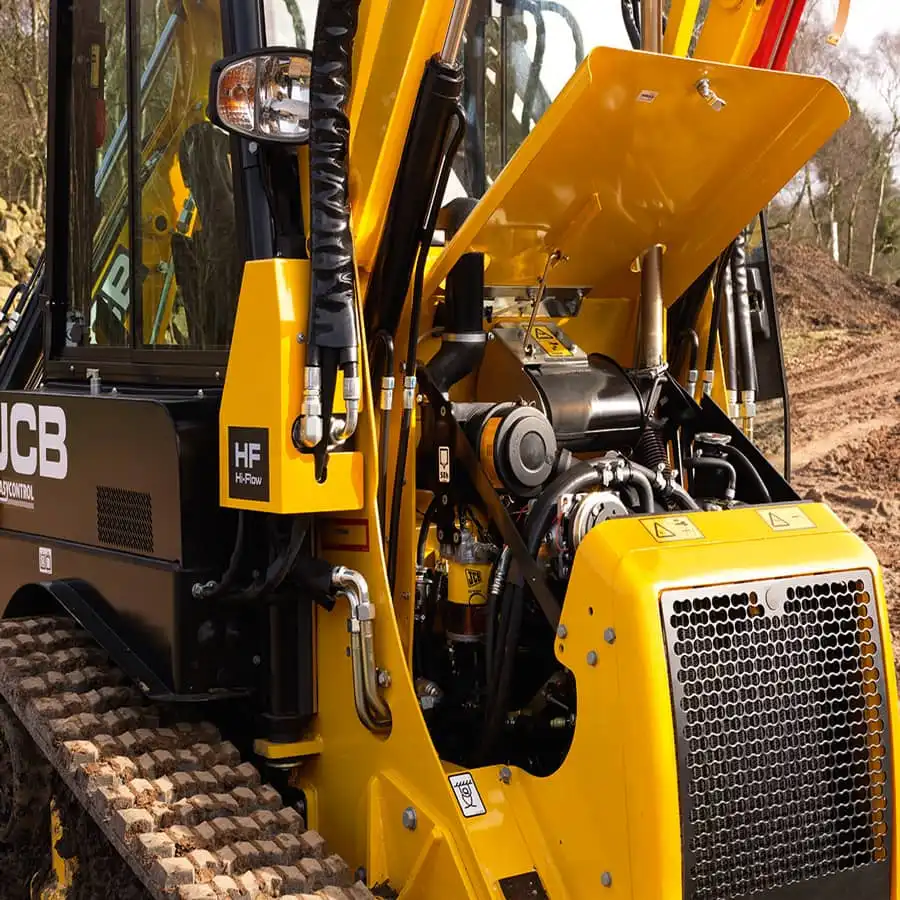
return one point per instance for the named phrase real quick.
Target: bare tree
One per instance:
(884, 64)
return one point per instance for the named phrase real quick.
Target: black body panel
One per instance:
(127, 504)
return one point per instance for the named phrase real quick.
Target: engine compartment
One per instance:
(527, 443)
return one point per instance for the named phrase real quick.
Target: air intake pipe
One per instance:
(464, 337)
(333, 329)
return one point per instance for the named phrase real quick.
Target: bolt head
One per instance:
(257, 660)
(562, 631)
(384, 678)
(592, 658)
(410, 819)
(301, 338)
(606, 879)
(505, 774)
(609, 635)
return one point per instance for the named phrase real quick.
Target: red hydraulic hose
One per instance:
(779, 34)
(790, 32)
(771, 39)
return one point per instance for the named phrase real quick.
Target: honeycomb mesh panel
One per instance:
(783, 747)
(125, 519)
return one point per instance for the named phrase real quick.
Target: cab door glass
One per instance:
(190, 269)
(99, 271)
(290, 23)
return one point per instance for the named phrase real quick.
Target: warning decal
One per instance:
(547, 340)
(467, 796)
(786, 518)
(672, 528)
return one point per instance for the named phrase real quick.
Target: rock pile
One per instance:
(21, 243)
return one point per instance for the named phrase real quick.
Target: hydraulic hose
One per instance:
(729, 339)
(332, 311)
(213, 589)
(776, 332)
(451, 144)
(383, 340)
(631, 24)
(421, 166)
(537, 63)
(690, 340)
(551, 6)
(715, 464)
(743, 324)
(740, 461)
(424, 528)
(721, 274)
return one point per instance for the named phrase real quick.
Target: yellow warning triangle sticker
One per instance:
(672, 528)
(786, 518)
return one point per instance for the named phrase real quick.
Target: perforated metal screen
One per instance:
(125, 519)
(782, 734)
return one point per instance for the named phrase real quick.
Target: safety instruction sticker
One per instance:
(467, 796)
(786, 518)
(672, 528)
(547, 340)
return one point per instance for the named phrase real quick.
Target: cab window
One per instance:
(154, 263)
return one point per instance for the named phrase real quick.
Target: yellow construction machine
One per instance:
(394, 468)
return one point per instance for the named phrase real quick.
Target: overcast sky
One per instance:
(867, 19)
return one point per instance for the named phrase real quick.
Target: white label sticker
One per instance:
(45, 560)
(467, 795)
(444, 465)
(647, 96)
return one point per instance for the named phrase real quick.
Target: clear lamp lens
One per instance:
(266, 97)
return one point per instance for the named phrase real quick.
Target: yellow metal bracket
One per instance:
(276, 751)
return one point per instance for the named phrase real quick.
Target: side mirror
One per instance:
(263, 95)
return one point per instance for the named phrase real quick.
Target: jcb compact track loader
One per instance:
(393, 453)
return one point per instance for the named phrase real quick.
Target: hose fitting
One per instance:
(373, 712)
(311, 426)
(409, 391)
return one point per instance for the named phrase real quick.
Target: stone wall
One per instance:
(21, 243)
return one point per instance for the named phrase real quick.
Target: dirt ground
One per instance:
(842, 348)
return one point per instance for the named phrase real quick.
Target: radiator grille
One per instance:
(781, 713)
(125, 519)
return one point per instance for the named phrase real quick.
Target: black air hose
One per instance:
(651, 449)
(464, 338)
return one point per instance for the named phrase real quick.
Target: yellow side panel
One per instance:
(629, 155)
(263, 391)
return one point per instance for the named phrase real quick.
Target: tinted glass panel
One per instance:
(179, 255)
(98, 267)
(190, 269)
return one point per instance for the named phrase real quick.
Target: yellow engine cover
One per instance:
(790, 707)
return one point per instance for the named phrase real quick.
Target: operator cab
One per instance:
(167, 206)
